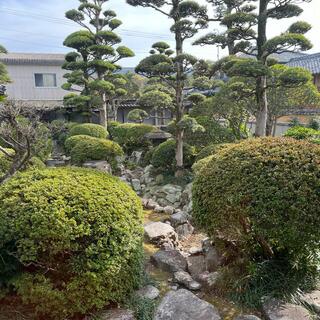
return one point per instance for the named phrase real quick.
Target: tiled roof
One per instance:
(310, 62)
(32, 58)
(280, 57)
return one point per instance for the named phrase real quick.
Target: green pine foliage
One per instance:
(70, 241)
(89, 129)
(263, 196)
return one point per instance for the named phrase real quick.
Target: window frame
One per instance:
(45, 73)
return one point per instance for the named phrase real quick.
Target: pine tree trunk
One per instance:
(103, 112)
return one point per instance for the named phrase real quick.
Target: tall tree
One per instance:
(94, 64)
(187, 18)
(238, 19)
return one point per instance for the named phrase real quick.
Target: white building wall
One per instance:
(23, 83)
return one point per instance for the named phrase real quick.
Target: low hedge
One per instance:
(70, 241)
(260, 195)
(164, 156)
(89, 129)
(302, 133)
(88, 148)
(131, 136)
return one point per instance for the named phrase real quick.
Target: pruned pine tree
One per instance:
(93, 66)
(257, 45)
(238, 19)
(187, 17)
(4, 77)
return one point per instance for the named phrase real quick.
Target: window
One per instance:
(45, 80)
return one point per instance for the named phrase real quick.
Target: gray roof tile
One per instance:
(32, 58)
(310, 62)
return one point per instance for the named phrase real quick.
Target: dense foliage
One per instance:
(60, 130)
(210, 150)
(131, 136)
(163, 156)
(260, 198)
(70, 240)
(88, 148)
(89, 129)
(302, 133)
(5, 162)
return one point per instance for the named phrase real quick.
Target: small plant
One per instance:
(89, 129)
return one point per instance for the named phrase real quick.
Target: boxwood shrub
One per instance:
(209, 150)
(131, 136)
(302, 133)
(262, 197)
(70, 241)
(72, 141)
(89, 129)
(164, 155)
(89, 148)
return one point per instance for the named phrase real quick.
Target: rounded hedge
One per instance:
(262, 194)
(302, 133)
(164, 155)
(89, 148)
(71, 142)
(70, 240)
(131, 136)
(89, 129)
(209, 150)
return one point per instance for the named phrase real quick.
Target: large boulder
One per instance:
(184, 305)
(196, 265)
(160, 233)
(170, 261)
(183, 278)
(274, 309)
(313, 300)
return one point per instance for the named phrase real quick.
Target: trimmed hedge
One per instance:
(302, 133)
(89, 148)
(71, 142)
(70, 241)
(131, 136)
(262, 193)
(210, 150)
(89, 129)
(164, 156)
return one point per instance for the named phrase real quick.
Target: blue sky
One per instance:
(40, 26)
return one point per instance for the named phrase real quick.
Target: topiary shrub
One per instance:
(95, 149)
(302, 133)
(89, 129)
(163, 156)
(262, 198)
(70, 241)
(131, 136)
(72, 141)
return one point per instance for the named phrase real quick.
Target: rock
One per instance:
(185, 230)
(136, 185)
(274, 309)
(151, 205)
(103, 166)
(52, 163)
(170, 261)
(158, 209)
(247, 317)
(195, 251)
(168, 210)
(148, 292)
(160, 233)
(184, 278)
(136, 157)
(196, 265)
(116, 314)
(178, 218)
(184, 305)
(207, 279)
(313, 300)
(212, 258)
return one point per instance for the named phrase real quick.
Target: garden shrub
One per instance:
(70, 241)
(302, 133)
(95, 149)
(163, 156)
(60, 130)
(210, 150)
(89, 129)
(200, 164)
(131, 136)
(72, 141)
(5, 162)
(262, 195)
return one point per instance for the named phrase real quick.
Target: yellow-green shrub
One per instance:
(5, 162)
(262, 194)
(70, 240)
(89, 129)
(72, 141)
(88, 148)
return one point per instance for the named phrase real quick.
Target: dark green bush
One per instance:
(89, 129)
(131, 136)
(264, 195)
(302, 133)
(95, 149)
(60, 130)
(70, 241)
(163, 156)
(210, 150)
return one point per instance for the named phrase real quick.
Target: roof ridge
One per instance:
(305, 57)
